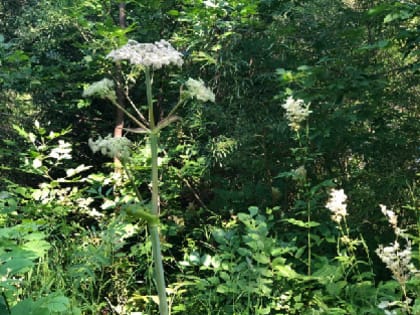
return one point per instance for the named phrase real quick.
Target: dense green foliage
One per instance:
(243, 193)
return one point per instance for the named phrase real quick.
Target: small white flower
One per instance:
(110, 146)
(37, 163)
(345, 239)
(103, 89)
(146, 54)
(62, 152)
(197, 89)
(337, 204)
(296, 112)
(300, 173)
(391, 216)
(383, 304)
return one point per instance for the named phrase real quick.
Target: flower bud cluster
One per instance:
(103, 89)
(155, 55)
(337, 205)
(110, 146)
(197, 89)
(296, 112)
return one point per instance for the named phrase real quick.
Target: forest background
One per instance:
(244, 225)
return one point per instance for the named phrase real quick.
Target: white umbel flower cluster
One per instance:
(397, 260)
(296, 112)
(337, 205)
(197, 89)
(113, 147)
(155, 55)
(103, 89)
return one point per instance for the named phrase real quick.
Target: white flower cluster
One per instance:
(146, 54)
(337, 205)
(385, 305)
(392, 218)
(397, 260)
(103, 89)
(296, 112)
(197, 89)
(62, 151)
(113, 147)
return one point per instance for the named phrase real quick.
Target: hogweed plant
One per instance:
(147, 57)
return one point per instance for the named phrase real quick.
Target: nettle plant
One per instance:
(146, 58)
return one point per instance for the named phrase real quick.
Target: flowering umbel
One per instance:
(113, 147)
(197, 89)
(337, 205)
(103, 89)
(155, 55)
(296, 112)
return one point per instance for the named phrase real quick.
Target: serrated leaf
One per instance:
(15, 266)
(58, 304)
(38, 247)
(261, 258)
(402, 15)
(243, 251)
(23, 307)
(286, 271)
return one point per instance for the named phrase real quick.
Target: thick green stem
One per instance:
(154, 229)
(149, 98)
(309, 239)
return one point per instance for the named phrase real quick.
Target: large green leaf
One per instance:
(15, 266)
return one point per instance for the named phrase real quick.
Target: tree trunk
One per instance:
(119, 115)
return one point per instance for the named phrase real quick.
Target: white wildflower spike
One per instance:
(337, 205)
(296, 112)
(397, 260)
(113, 147)
(391, 216)
(154, 55)
(103, 89)
(197, 89)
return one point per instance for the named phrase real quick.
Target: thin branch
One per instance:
(130, 101)
(129, 114)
